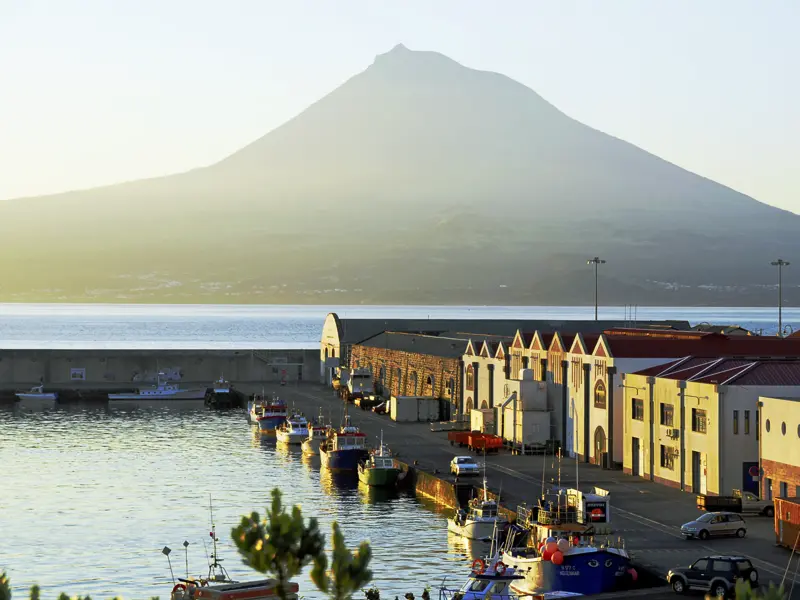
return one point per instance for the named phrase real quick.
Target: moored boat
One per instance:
(344, 448)
(561, 553)
(163, 390)
(480, 520)
(37, 395)
(268, 415)
(317, 432)
(293, 431)
(379, 469)
(488, 579)
(218, 585)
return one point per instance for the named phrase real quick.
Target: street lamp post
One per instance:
(780, 263)
(595, 261)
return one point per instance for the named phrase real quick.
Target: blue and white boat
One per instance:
(561, 553)
(344, 448)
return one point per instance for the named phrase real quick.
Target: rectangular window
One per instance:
(667, 459)
(667, 415)
(577, 372)
(698, 420)
(769, 489)
(637, 409)
(784, 489)
(797, 491)
(735, 422)
(747, 422)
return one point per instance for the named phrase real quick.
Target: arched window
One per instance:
(398, 383)
(413, 383)
(428, 386)
(469, 405)
(484, 404)
(470, 378)
(326, 353)
(451, 386)
(600, 395)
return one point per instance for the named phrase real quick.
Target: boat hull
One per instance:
(291, 439)
(198, 394)
(269, 425)
(378, 477)
(36, 398)
(342, 460)
(475, 530)
(593, 572)
(311, 447)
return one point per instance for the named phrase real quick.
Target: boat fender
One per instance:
(500, 568)
(179, 587)
(478, 566)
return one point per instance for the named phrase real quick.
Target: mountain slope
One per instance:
(417, 180)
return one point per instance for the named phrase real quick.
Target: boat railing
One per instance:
(457, 594)
(540, 515)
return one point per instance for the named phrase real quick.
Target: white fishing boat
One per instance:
(293, 431)
(490, 578)
(163, 390)
(317, 432)
(480, 520)
(37, 394)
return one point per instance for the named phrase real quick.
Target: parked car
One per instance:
(715, 574)
(381, 408)
(464, 465)
(715, 524)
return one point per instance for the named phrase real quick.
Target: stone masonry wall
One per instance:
(395, 370)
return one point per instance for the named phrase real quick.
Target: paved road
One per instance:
(646, 515)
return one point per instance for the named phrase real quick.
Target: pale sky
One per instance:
(101, 91)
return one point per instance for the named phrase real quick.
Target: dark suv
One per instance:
(715, 574)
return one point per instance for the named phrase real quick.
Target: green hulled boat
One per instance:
(379, 469)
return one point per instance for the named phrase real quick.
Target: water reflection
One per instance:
(466, 547)
(119, 485)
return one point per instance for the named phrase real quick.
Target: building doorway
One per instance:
(599, 446)
(699, 484)
(636, 468)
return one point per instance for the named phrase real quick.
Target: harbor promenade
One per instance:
(646, 515)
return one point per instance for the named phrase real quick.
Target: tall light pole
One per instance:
(780, 263)
(596, 261)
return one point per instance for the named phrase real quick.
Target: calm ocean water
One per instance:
(90, 496)
(233, 326)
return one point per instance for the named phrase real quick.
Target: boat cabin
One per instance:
(380, 462)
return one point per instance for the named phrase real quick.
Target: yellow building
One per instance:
(692, 424)
(779, 447)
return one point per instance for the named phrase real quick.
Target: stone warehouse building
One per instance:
(413, 364)
(340, 335)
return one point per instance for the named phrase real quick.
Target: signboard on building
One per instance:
(77, 374)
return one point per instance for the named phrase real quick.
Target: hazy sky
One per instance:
(100, 91)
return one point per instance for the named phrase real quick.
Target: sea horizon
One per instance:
(290, 326)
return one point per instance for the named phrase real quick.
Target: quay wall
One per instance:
(104, 369)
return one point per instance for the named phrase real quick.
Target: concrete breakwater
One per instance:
(81, 374)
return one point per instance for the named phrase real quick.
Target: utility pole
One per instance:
(596, 261)
(780, 263)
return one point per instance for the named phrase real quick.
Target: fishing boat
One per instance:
(379, 469)
(37, 395)
(222, 386)
(218, 585)
(561, 553)
(293, 431)
(480, 519)
(344, 448)
(317, 432)
(268, 415)
(163, 390)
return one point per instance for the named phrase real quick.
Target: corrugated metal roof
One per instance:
(710, 345)
(432, 345)
(730, 371)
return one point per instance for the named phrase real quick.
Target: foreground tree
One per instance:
(281, 545)
(349, 572)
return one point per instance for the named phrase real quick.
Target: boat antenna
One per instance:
(577, 462)
(166, 550)
(559, 482)
(186, 553)
(544, 467)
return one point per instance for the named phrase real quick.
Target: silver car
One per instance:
(464, 465)
(713, 524)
